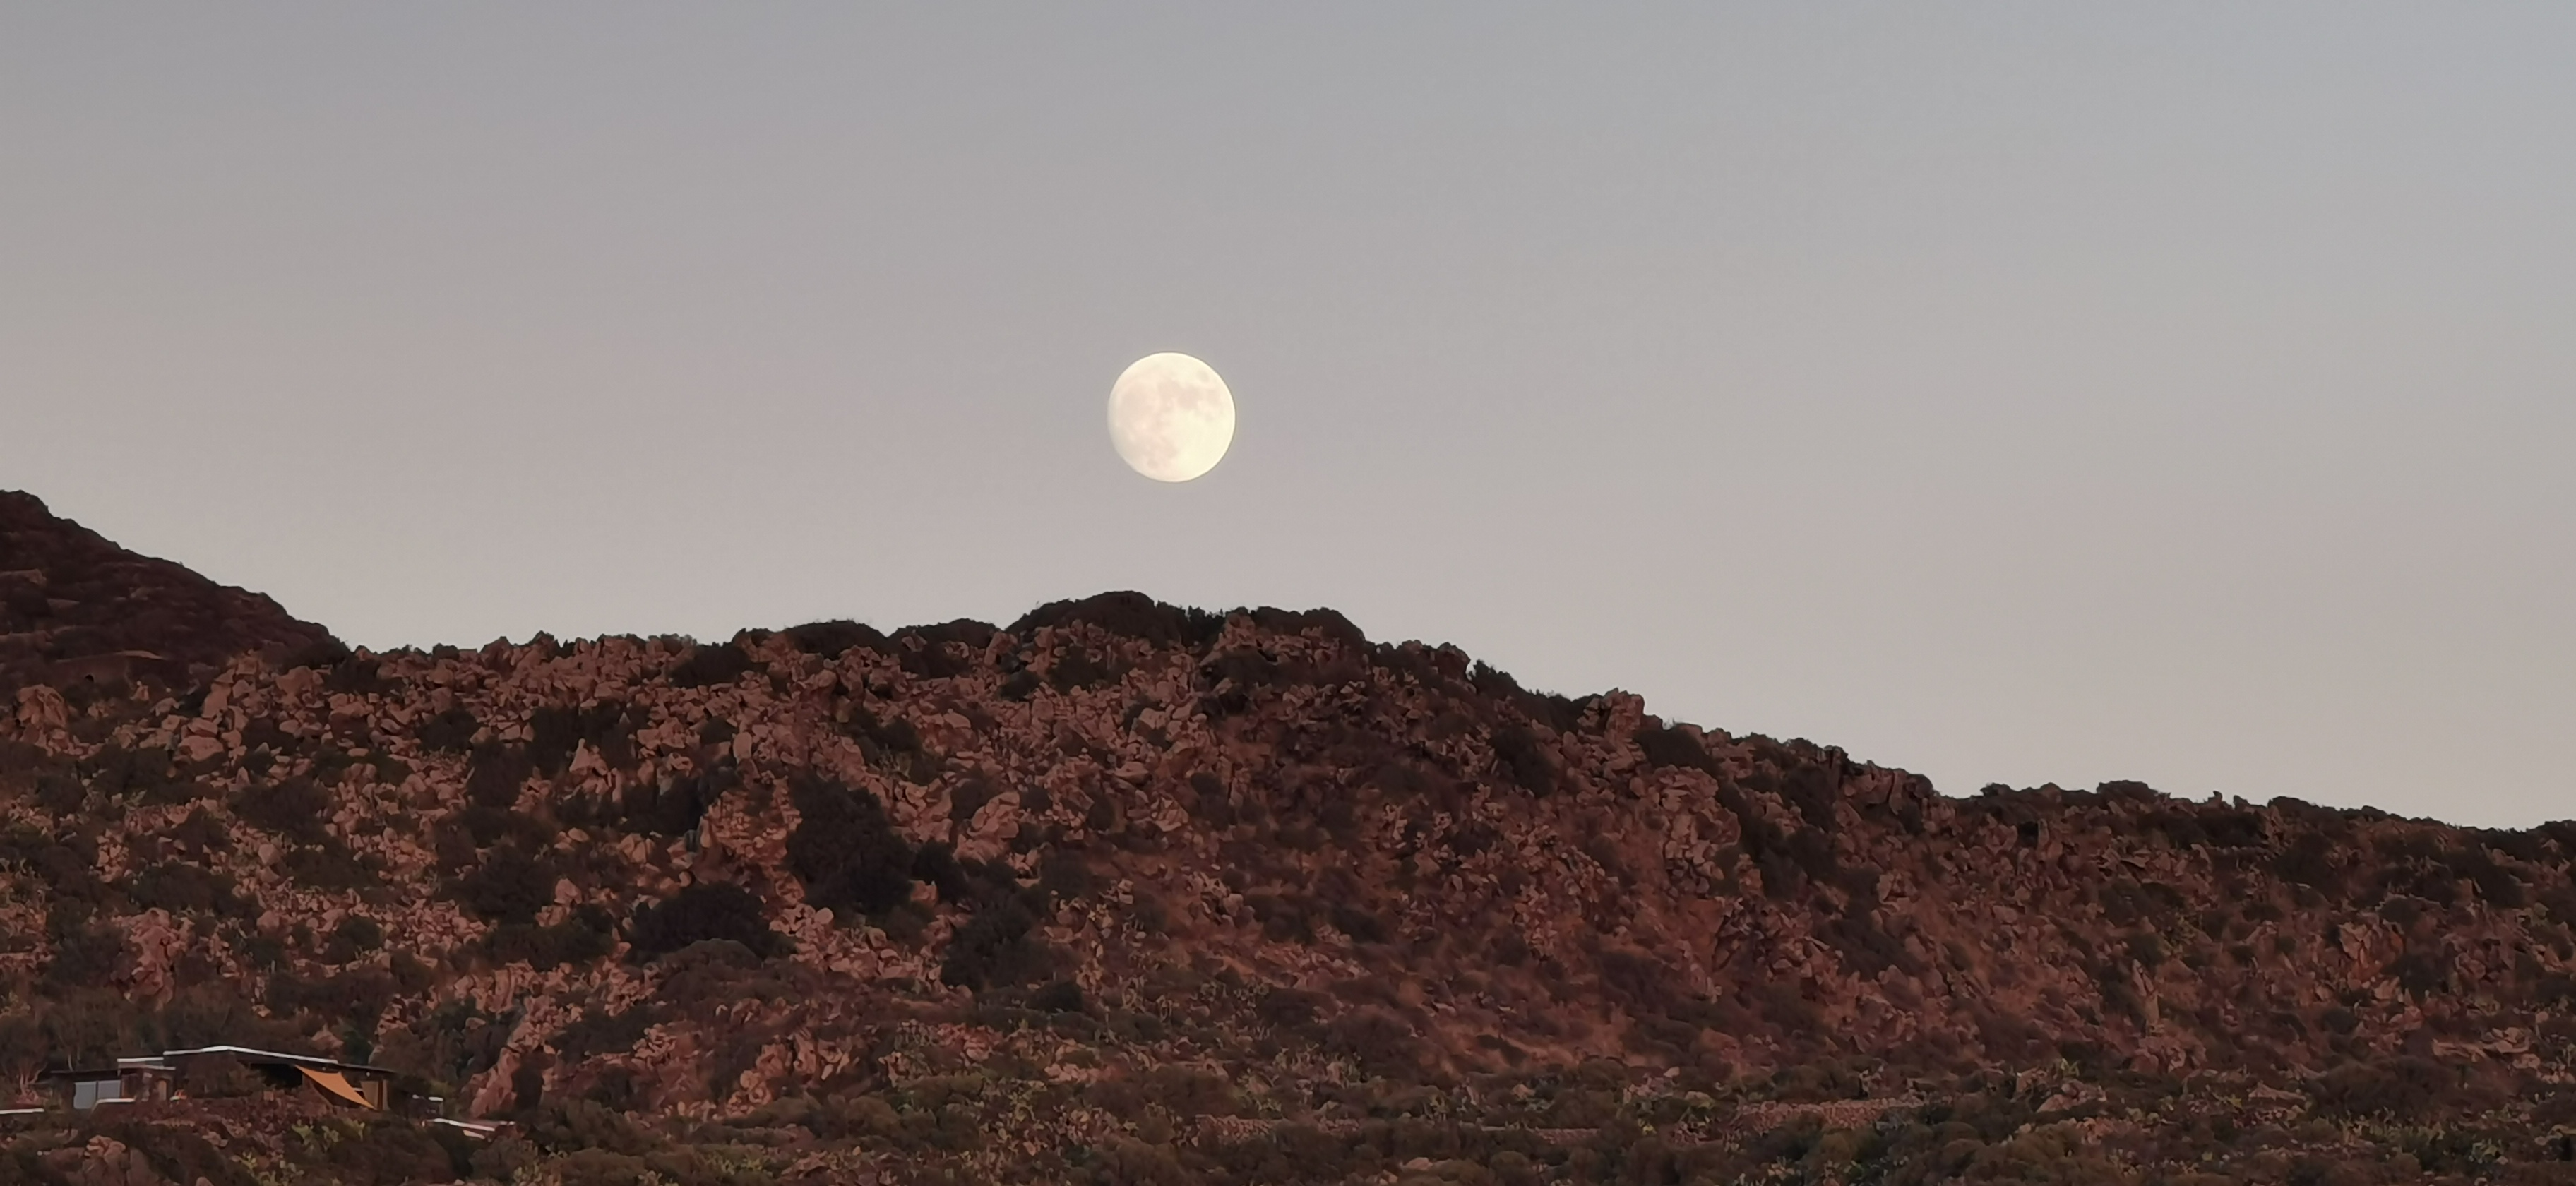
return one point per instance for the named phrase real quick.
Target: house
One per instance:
(129, 1080)
(177, 1074)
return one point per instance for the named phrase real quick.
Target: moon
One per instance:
(1170, 417)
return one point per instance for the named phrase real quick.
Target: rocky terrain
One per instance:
(1127, 893)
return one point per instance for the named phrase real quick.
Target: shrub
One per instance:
(571, 1126)
(1359, 924)
(86, 952)
(495, 774)
(355, 936)
(1078, 667)
(2495, 883)
(1130, 615)
(329, 865)
(590, 934)
(1669, 746)
(1380, 1041)
(2402, 1087)
(294, 807)
(118, 771)
(508, 887)
(554, 732)
(454, 1043)
(208, 1014)
(2309, 861)
(832, 639)
(358, 994)
(1062, 996)
(706, 666)
(451, 731)
(933, 652)
(60, 792)
(388, 1153)
(845, 851)
(892, 744)
(717, 911)
(605, 1033)
(674, 808)
(176, 1153)
(202, 833)
(1521, 756)
(994, 949)
(357, 676)
(183, 888)
(705, 971)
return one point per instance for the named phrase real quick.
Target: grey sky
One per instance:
(2008, 392)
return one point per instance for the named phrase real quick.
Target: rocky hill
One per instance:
(75, 608)
(1127, 893)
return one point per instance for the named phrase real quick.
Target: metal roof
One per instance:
(249, 1055)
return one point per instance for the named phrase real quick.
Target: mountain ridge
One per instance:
(1126, 892)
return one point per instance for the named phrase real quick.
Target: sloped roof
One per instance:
(275, 1057)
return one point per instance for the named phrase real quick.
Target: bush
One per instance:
(558, 731)
(495, 774)
(943, 651)
(1380, 1041)
(706, 666)
(177, 1153)
(388, 1153)
(1062, 996)
(60, 792)
(572, 1126)
(1521, 756)
(845, 850)
(86, 952)
(451, 731)
(1076, 668)
(214, 1013)
(118, 771)
(590, 934)
(2403, 1087)
(893, 744)
(183, 888)
(554, 732)
(832, 639)
(329, 865)
(675, 808)
(718, 911)
(355, 936)
(294, 807)
(994, 949)
(358, 994)
(508, 887)
(605, 1033)
(2309, 861)
(1130, 615)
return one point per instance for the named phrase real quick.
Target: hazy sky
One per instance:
(2007, 392)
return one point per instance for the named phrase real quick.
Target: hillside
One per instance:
(74, 608)
(1126, 893)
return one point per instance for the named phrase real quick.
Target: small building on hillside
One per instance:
(224, 1071)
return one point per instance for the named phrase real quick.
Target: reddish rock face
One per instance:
(1121, 874)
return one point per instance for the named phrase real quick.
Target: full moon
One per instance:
(1170, 417)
